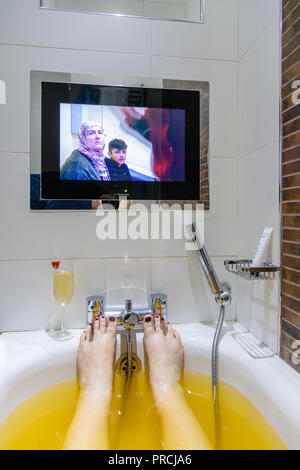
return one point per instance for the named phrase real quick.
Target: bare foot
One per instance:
(165, 355)
(95, 359)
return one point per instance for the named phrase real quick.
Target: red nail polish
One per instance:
(148, 318)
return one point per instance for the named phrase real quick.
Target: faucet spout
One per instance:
(130, 318)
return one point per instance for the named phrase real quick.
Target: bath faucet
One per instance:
(222, 293)
(157, 306)
(129, 323)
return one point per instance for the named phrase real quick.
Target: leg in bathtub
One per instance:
(95, 359)
(164, 352)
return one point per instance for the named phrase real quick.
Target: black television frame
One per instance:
(52, 187)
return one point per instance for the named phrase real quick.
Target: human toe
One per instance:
(157, 323)
(148, 325)
(102, 324)
(96, 324)
(89, 332)
(82, 338)
(177, 337)
(112, 325)
(170, 330)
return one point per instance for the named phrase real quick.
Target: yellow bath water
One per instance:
(41, 421)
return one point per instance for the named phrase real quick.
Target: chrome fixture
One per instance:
(129, 323)
(243, 268)
(129, 362)
(222, 293)
(128, 317)
(94, 307)
(159, 305)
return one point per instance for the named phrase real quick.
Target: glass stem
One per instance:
(63, 322)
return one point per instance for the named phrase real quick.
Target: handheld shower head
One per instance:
(206, 263)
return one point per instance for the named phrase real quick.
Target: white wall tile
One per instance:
(128, 279)
(216, 38)
(27, 301)
(221, 220)
(265, 313)
(223, 105)
(254, 17)
(258, 309)
(189, 296)
(258, 305)
(50, 234)
(16, 64)
(259, 92)
(24, 23)
(172, 225)
(259, 201)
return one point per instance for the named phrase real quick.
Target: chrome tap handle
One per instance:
(160, 301)
(94, 307)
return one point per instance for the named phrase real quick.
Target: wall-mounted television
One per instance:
(103, 142)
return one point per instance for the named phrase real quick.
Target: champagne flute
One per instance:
(63, 285)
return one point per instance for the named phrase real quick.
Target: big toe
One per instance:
(148, 325)
(112, 325)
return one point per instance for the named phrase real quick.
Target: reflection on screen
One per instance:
(114, 143)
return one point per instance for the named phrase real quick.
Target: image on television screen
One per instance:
(121, 143)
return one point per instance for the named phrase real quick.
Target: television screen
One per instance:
(121, 143)
(105, 141)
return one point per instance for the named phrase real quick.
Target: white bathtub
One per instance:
(31, 361)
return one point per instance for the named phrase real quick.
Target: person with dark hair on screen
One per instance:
(116, 165)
